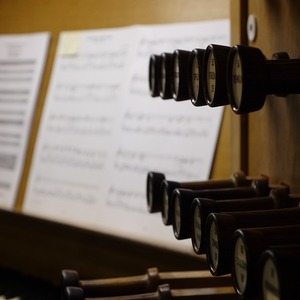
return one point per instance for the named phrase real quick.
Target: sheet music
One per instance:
(22, 59)
(101, 132)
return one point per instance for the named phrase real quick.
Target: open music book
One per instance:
(101, 132)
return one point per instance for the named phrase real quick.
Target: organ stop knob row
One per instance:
(241, 224)
(219, 75)
(218, 216)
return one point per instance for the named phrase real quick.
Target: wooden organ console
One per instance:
(259, 135)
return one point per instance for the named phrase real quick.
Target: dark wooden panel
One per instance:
(43, 248)
(274, 136)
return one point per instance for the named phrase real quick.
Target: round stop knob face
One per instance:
(246, 79)
(176, 75)
(166, 74)
(237, 80)
(214, 246)
(195, 78)
(195, 81)
(180, 75)
(240, 265)
(270, 281)
(211, 76)
(214, 75)
(197, 229)
(154, 75)
(177, 217)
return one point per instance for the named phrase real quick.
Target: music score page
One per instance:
(101, 132)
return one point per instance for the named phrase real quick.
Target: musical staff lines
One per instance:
(62, 194)
(7, 161)
(150, 44)
(86, 125)
(126, 199)
(85, 93)
(17, 71)
(179, 125)
(64, 189)
(16, 79)
(141, 162)
(74, 157)
(96, 61)
(10, 139)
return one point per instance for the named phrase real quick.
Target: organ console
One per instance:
(242, 77)
(237, 222)
(272, 132)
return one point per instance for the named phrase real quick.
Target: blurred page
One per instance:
(22, 60)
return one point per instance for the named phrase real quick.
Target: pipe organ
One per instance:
(243, 223)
